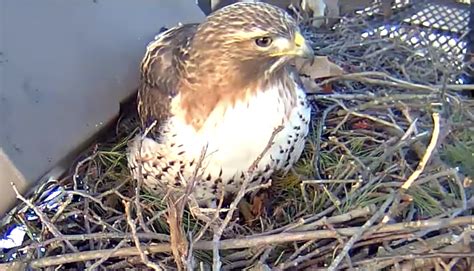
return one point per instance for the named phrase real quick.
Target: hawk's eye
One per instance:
(263, 41)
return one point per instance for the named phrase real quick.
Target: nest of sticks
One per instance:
(384, 183)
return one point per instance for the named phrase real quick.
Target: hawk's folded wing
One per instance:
(160, 72)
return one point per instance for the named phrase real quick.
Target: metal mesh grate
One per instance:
(441, 24)
(441, 18)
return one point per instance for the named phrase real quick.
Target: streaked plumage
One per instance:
(214, 85)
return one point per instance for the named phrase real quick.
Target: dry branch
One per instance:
(256, 241)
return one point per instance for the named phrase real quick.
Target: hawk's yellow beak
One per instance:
(297, 47)
(302, 48)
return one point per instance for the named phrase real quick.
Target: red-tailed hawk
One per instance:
(224, 85)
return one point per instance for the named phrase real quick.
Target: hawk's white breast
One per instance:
(234, 136)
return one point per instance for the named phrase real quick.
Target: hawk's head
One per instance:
(250, 30)
(238, 50)
(253, 35)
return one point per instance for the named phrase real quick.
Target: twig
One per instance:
(427, 155)
(139, 184)
(256, 241)
(299, 259)
(61, 208)
(182, 250)
(393, 82)
(260, 186)
(233, 206)
(106, 257)
(215, 217)
(79, 165)
(372, 97)
(361, 231)
(142, 254)
(44, 219)
(179, 245)
(457, 87)
(331, 181)
(92, 198)
(298, 251)
(313, 218)
(415, 256)
(319, 132)
(351, 215)
(101, 235)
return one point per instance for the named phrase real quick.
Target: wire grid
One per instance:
(422, 23)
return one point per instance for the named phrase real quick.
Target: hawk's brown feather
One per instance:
(160, 68)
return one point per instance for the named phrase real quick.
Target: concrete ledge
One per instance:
(64, 68)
